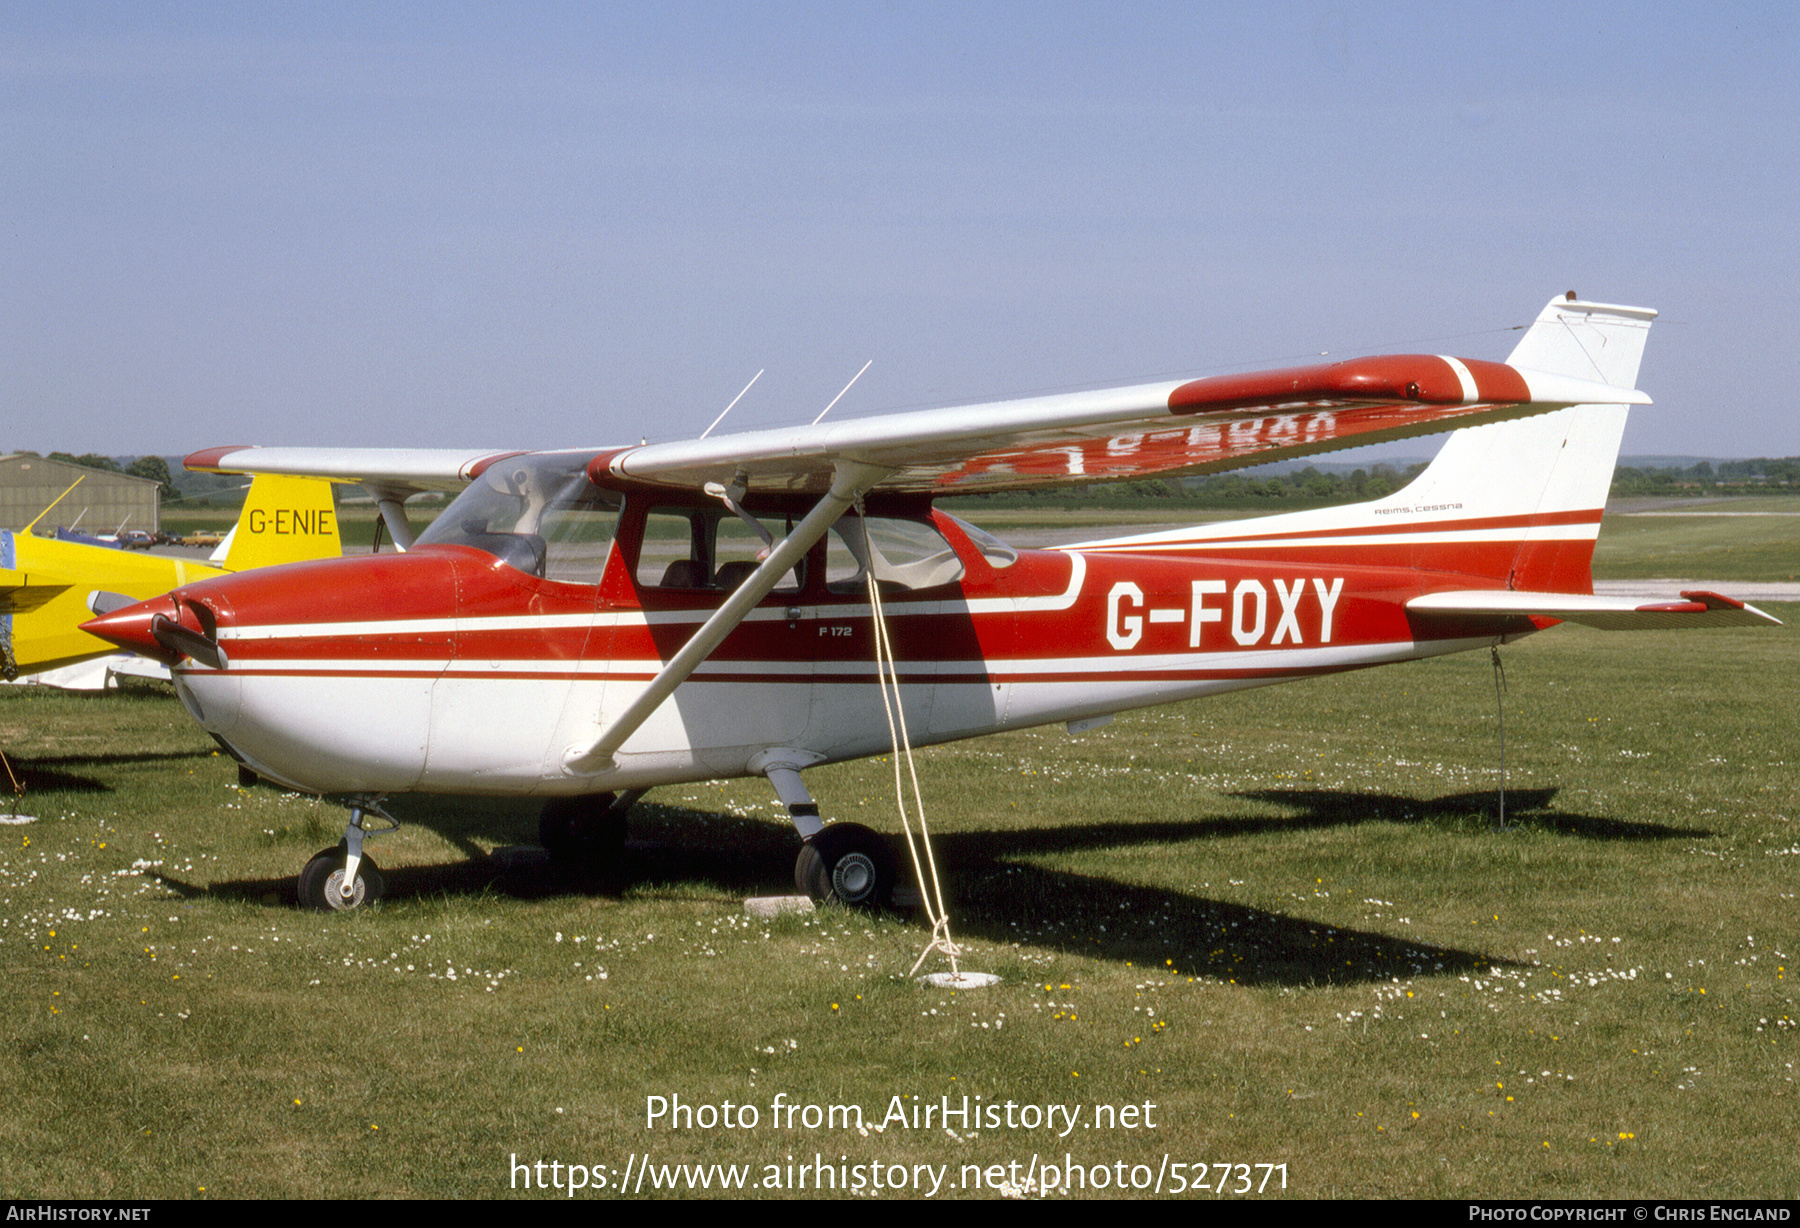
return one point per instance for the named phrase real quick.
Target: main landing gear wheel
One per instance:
(848, 863)
(577, 830)
(322, 882)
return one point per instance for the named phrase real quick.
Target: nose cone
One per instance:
(133, 628)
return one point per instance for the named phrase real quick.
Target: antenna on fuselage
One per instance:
(840, 396)
(727, 409)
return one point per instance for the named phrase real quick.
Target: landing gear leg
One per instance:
(846, 862)
(344, 878)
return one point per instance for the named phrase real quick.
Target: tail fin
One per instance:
(1547, 476)
(1516, 503)
(1598, 341)
(285, 520)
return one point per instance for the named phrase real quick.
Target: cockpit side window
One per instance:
(704, 549)
(674, 551)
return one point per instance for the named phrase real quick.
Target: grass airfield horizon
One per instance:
(1283, 917)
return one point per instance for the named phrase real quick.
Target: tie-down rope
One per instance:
(1500, 707)
(887, 674)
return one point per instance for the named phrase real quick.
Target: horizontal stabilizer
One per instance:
(1695, 609)
(19, 595)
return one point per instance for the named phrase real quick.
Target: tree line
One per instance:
(1738, 477)
(1312, 487)
(153, 467)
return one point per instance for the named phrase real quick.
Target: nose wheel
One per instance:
(321, 883)
(341, 879)
(848, 863)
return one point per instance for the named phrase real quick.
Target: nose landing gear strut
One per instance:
(343, 878)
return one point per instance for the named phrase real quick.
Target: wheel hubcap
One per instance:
(853, 878)
(334, 892)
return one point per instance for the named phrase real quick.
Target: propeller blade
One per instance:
(178, 639)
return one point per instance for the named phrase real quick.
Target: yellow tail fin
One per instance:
(285, 520)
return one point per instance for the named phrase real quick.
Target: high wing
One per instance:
(392, 475)
(404, 471)
(1147, 430)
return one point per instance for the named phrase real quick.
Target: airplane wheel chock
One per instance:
(322, 882)
(848, 863)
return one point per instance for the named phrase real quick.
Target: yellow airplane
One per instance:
(49, 588)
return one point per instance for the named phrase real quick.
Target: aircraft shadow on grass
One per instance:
(1525, 808)
(49, 773)
(998, 894)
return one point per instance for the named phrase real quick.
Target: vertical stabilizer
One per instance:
(1549, 474)
(1586, 340)
(285, 520)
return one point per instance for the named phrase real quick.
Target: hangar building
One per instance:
(103, 501)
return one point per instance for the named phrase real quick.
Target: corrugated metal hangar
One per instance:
(102, 503)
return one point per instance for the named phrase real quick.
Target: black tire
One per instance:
(849, 864)
(582, 830)
(321, 882)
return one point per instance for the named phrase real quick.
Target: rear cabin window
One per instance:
(903, 554)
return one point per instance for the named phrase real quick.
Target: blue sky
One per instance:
(549, 226)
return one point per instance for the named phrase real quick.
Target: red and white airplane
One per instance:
(585, 625)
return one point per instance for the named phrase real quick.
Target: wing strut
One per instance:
(850, 479)
(393, 513)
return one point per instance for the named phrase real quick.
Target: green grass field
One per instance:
(1725, 539)
(1283, 918)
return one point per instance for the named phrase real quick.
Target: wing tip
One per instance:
(211, 460)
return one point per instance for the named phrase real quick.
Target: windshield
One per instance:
(538, 514)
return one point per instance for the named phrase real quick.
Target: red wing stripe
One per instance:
(1713, 601)
(1417, 378)
(207, 461)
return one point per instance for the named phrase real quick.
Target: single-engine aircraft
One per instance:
(50, 586)
(585, 625)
